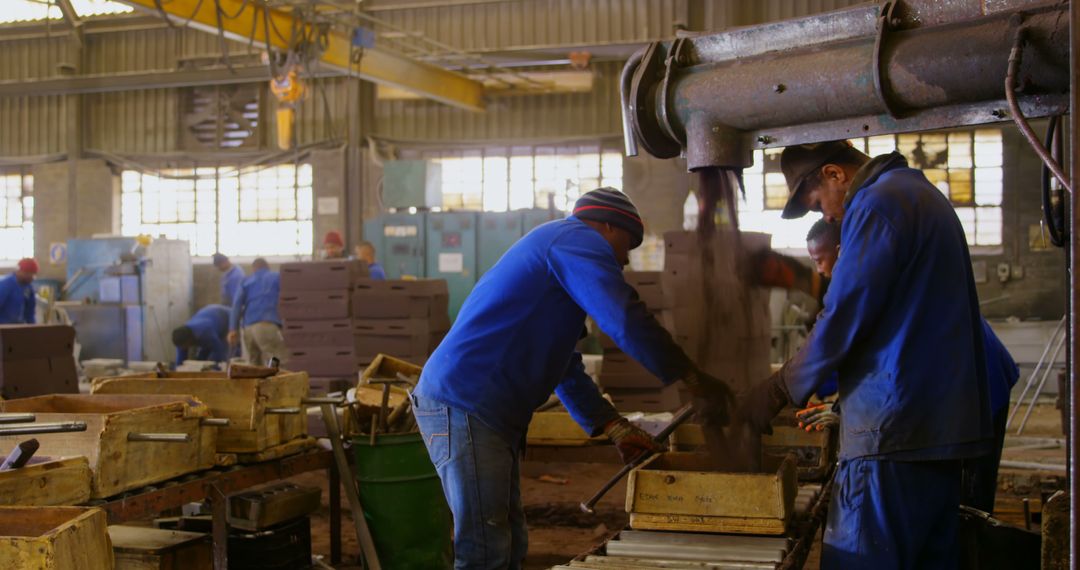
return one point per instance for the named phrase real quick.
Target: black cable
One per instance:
(1054, 214)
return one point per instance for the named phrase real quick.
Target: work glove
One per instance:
(763, 402)
(713, 399)
(817, 417)
(631, 441)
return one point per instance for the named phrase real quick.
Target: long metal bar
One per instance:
(1035, 372)
(15, 418)
(670, 538)
(625, 563)
(34, 429)
(1042, 383)
(160, 437)
(374, 64)
(695, 552)
(1074, 292)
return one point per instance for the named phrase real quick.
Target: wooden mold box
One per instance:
(47, 481)
(146, 548)
(558, 429)
(814, 451)
(54, 538)
(118, 464)
(674, 491)
(243, 401)
(385, 366)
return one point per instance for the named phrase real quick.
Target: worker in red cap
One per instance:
(17, 299)
(333, 246)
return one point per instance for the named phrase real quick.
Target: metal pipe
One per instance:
(1042, 383)
(629, 141)
(1035, 371)
(623, 562)
(1015, 58)
(216, 422)
(319, 400)
(1074, 292)
(17, 418)
(282, 411)
(1032, 465)
(669, 538)
(160, 437)
(34, 429)
(695, 552)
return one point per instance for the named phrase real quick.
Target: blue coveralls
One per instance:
(901, 325)
(256, 300)
(210, 325)
(230, 285)
(17, 302)
(511, 345)
(375, 271)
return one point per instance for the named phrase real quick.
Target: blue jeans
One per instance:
(893, 515)
(480, 474)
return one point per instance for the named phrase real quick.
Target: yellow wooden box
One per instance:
(676, 491)
(146, 548)
(814, 451)
(54, 538)
(558, 428)
(47, 482)
(243, 401)
(119, 464)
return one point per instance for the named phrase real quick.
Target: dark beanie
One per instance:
(613, 207)
(183, 337)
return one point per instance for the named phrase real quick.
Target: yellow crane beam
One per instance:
(243, 21)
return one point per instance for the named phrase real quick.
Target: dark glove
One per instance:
(713, 399)
(761, 404)
(630, 440)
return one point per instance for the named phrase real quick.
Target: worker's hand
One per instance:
(817, 417)
(761, 404)
(630, 440)
(713, 399)
(233, 338)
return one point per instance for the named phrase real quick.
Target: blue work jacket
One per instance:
(901, 325)
(375, 271)
(210, 326)
(230, 285)
(17, 301)
(257, 300)
(1001, 370)
(513, 341)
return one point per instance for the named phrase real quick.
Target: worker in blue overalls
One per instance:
(901, 324)
(203, 337)
(17, 300)
(231, 277)
(513, 344)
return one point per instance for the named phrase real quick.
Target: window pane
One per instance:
(496, 185)
(967, 219)
(988, 226)
(988, 186)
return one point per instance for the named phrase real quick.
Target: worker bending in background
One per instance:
(256, 310)
(365, 252)
(901, 324)
(203, 337)
(231, 277)
(513, 344)
(17, 300)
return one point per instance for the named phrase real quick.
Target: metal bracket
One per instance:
(642, 99)
(671, 63)
(884, 20)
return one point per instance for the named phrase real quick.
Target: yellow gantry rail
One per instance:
(243, 21)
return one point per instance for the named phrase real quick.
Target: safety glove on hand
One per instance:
(630, 440)
(763, 402)
(817, 417)
(713, 399)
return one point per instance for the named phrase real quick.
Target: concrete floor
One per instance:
(558, 531)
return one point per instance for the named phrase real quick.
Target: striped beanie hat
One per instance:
(613, 207)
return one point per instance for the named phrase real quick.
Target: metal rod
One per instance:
(1027, 512)
(17, 418)
(670, 538)
(1015, 57)
(695, 552)
(680, 417)
(217, 422)
(1032, 465)
(1035, 372)
(34, 429)
(160, 437)
(282, 411)
(319, 400)
(621, 562)
(1073, 300)
(1046, 374)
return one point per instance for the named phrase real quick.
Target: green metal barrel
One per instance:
(404, 503)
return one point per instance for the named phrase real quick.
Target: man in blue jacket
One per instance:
(256, 310)
(232, 276)
(365, 251)
(901, 325)
(17, 300)
(203, 337)
(513, 344)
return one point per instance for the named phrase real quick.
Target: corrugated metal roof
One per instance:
(33, 10)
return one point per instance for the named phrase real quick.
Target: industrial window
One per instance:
(966, 166)
(510, 178)
(244, 212)
(16, 215)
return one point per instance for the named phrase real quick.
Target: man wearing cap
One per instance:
(901, 324)
(203, 337)
(333, 246)
(256, 310)
(17, 300)
(232, 276)
(513, 344)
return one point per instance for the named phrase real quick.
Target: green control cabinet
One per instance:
(451, 253)
(497, 231)
(399, 243)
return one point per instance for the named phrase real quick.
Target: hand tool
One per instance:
(20, 455)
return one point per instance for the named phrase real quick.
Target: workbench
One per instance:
(215, 485)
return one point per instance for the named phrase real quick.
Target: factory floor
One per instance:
(558, 531)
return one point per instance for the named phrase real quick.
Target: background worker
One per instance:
(902, 321)
(513, 343)
(256, 310)
(231, 277)
(365, 251)
(17, 300)
(333, 246)
(203, 337)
